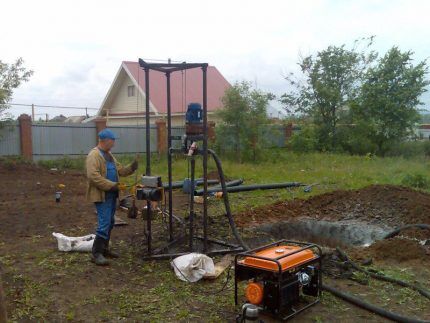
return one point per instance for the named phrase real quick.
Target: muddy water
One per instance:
(344, 233)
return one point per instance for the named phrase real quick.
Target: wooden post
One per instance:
(161, 136)
(25, 136)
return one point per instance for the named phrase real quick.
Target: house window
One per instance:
(130, 90)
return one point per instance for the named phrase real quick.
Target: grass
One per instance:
(329, 171)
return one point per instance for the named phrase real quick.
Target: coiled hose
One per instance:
(226, 201)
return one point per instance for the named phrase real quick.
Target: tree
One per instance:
(243, 114)
(11, 76)
(328, 87)
(390, 96)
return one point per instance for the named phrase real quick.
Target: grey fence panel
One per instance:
(274, 135)
(51, 141)
(132, 139)
(9, 140)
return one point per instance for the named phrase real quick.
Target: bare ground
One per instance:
(42, 284)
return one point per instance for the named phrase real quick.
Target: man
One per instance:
(103, 173)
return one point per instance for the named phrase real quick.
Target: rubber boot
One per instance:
(98, 251)
(109, 253)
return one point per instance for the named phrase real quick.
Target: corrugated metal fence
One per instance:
(132, 139)
(51, 141)
(55, 140)
(9, 140)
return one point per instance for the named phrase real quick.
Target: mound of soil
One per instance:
(396, 249)
(377, 204)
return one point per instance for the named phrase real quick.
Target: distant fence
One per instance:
(51, 141)
(39, 141)
(10, 140)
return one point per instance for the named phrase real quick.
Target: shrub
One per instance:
(409, 149)
(418, 181)
(64, 163)
(304, 141)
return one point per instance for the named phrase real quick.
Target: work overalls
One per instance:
(106, 209)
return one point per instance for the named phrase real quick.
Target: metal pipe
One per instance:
(246, 188)
(191, 217)
(219, 188)
(197, 182)
(169, 156)
(205, 160)
(148, 160)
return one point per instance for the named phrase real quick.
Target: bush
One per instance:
(355, 140)
(64, 163)
(418, 181)
(304, 141)
(409, 149)
(11, 162)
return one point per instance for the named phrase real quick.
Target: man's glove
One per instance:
(114, 188)
(134, 165)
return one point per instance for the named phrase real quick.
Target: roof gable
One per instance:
(186, 87)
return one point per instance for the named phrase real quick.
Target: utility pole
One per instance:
(32, 112)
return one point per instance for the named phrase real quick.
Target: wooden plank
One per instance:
(221, 266)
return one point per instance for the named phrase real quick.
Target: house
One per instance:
(423, 131)
(124, 103)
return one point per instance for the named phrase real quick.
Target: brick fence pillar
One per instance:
(288, 131)
(161, 136)
(100, 125)
(211, 130)
(25, 136)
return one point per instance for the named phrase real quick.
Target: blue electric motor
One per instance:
(194, 113)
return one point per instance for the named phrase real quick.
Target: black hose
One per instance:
(245, 188)
(395, 232)
(370, 307)
(226, 201)
(199, 181)
(417, 288)
(218, 188)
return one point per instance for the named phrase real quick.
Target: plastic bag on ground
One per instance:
(193, 267)
(81, 244)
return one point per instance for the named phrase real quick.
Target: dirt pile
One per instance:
(395, 249)
(376, 204)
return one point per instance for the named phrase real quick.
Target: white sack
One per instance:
(193, 266)
(82, 244)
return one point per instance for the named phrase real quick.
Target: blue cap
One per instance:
(107, 134)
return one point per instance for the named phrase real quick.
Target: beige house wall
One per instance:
(177, 120)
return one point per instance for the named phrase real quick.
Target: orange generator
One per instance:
(283, 278)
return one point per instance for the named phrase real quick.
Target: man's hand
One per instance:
(134, 165)
(114, 188)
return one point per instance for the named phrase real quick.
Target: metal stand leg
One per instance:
(191, 218)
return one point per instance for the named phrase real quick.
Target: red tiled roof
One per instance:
(216, 84)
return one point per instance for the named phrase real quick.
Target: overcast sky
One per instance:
(76, 47)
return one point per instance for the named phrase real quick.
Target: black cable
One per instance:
(419, 289)
(370, 307)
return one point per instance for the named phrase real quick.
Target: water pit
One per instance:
(326, 233)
